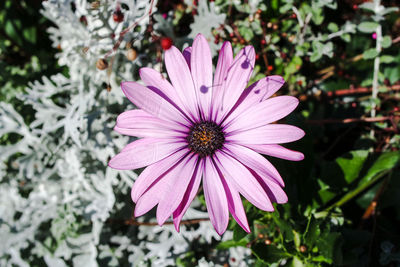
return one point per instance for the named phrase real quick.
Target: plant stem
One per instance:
(376, 66)
(350, 195)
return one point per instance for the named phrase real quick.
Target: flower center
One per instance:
(205, 138)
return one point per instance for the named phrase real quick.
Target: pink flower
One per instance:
(204, 128)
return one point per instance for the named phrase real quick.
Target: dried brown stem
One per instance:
(352, 120)
(359, 90)
(122, 33)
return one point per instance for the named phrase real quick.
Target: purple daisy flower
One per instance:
(202, 128)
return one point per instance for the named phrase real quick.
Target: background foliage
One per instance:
(61, 206)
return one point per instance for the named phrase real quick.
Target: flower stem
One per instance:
(350, 195)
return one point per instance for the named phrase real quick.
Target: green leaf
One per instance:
(231, 243)
(285, 228)
(312, 232)
(296, 262)
(297, 241)
(386, 41)
(333, 27)
(315, 56)
(329, 245)
(387, 59)
(269, 253)
(246, 32)
(346, 37)
(30, 34)
(317, 16)
(386, 161)
(238, 233)
(351, 165)
(368, 26)
(370, 53)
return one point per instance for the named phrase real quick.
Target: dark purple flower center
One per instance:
(205, 138)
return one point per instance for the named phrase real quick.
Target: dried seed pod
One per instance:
(85, 49)
(95, 5)
(131, 54)
(102, 64)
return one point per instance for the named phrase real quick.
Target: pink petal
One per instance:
(190, 194)
(187, 54)
(153, 78)
(277, 151)
(157, 190)
(142, 124)
(257, 92)
(214, 193)
(225, 59)
(152, 196)
(267, 134)
(155, 172)
(273, 190)
(243, 181)
(176, 188)
(152, 102)
(202, 73)
(142, 132)
(235, 205)
(148, 201)
(181, 78)
(236, 81)
(262, 113)
(144, 152)
(254, 161)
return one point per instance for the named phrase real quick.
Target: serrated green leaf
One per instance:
(368, 26)
(284, 227)
(269, 253)
(370, 53)
(352, 164)
(329, 245)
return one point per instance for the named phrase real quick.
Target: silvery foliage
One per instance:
(60, 205)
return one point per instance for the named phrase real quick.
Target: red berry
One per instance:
(166, 43)
(118, 16)
(263, 42)
(83, 20)
(355, 7)
(257, 56)
(270, 67)
(293, 16)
